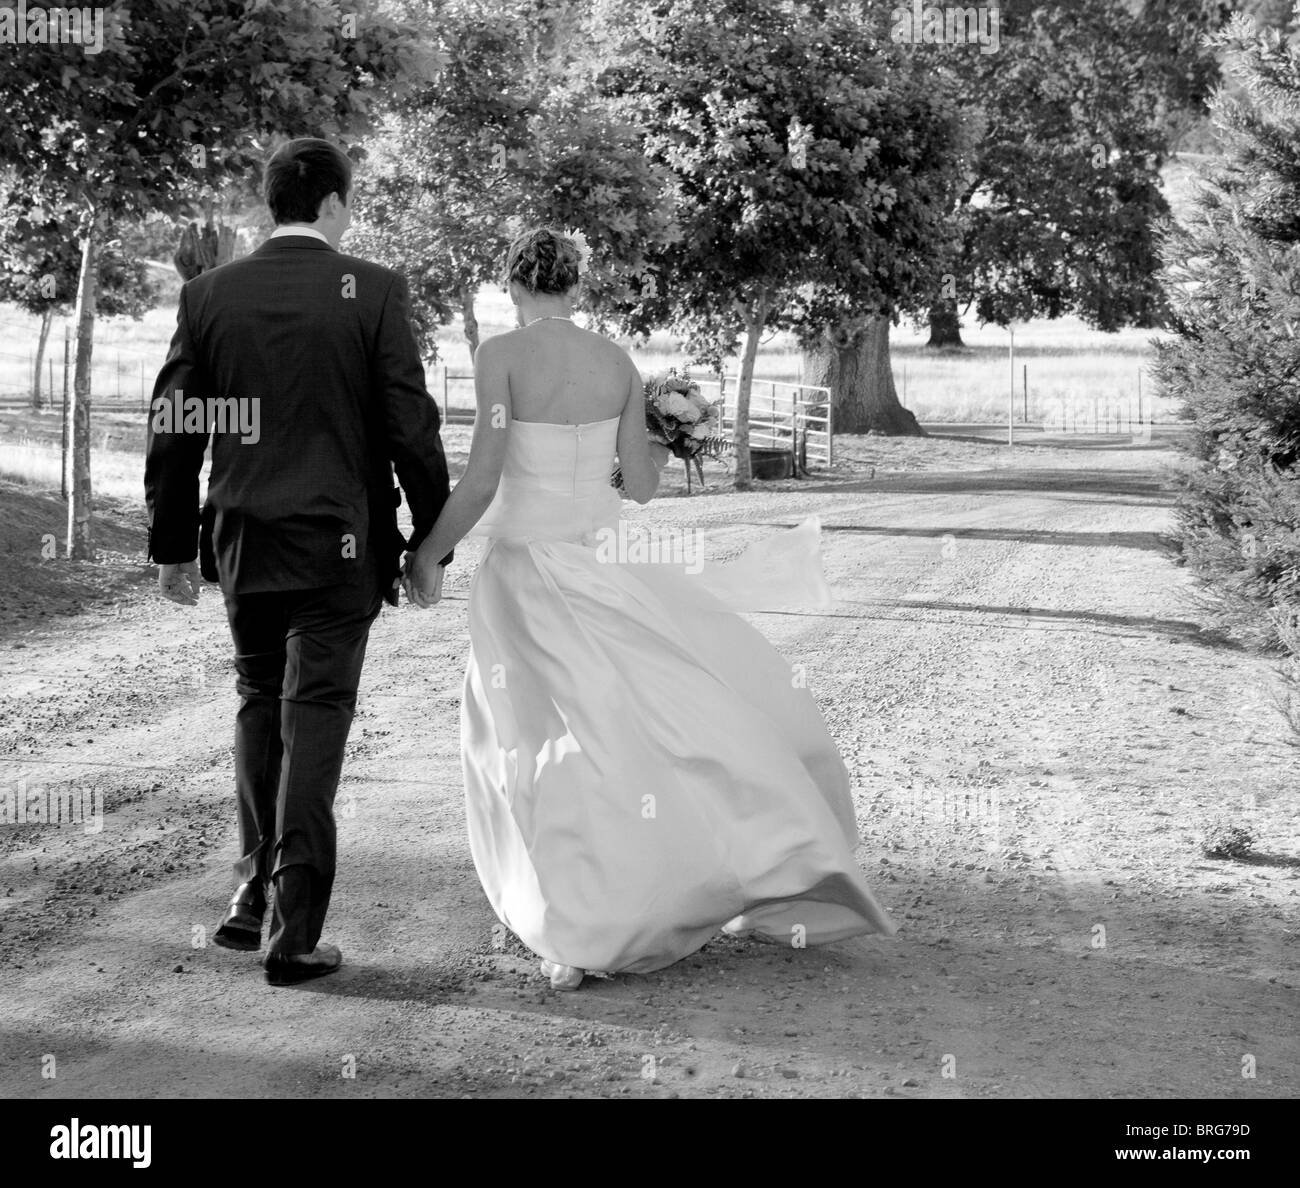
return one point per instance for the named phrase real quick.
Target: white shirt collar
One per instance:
(279, 231)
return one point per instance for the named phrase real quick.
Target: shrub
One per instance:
(1232, 274)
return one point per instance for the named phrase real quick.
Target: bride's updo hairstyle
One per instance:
(543, 261)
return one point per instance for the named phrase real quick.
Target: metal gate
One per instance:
(782, 416)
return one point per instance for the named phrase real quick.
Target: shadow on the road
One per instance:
(115, 1067)
(1094, 443)
(366, 979)
(1034, 438)
(1262, 858)
(1154, 542)
(1123, 484)
(1182, 629)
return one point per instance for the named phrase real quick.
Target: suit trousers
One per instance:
(298, 658)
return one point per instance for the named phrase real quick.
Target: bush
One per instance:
(1232, 274)
(1286, 621)
(1224, 838)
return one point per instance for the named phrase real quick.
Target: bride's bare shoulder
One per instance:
(502, 343)
(609, 350)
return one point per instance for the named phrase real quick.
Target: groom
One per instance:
(299, 363)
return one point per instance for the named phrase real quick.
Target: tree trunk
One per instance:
(47, 319)
(80, 543)
(945, 328)
(225, 244)
(855, 367)
(202, 250)
(755, 316)
(471, 320)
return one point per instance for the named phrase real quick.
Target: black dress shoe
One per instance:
(287, 970)
(242, 927)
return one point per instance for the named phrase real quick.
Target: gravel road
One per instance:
(1037, 726)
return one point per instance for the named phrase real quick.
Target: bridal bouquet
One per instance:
(679, 416)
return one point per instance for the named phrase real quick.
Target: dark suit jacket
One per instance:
(300, 363)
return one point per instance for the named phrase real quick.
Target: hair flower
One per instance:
(584, 249)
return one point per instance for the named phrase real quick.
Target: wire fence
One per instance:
(122, 377)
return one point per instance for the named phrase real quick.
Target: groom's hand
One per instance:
(180, 583)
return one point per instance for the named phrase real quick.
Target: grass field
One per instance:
(1083, 375)
(1066, 363)
(1068, 366)
(1075, 374)
(113, 472)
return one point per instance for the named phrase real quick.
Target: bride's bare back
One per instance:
(549, 371)
(564, 375)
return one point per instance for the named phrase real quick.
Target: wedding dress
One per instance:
(642, 769)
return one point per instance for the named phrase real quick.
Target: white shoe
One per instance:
(563, 977)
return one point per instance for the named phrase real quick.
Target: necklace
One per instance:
(551, 318)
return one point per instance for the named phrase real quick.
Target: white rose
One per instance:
(680, 409)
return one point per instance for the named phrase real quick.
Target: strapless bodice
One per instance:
(554, 482)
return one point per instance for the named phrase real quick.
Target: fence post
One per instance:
(1026, 371)
(1011, 401)
(63, 470)
(445, 414)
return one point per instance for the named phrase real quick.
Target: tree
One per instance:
(180, 95)
(510, 134)
(436, 187)
(1270, 14)
(812, 168)
(202, 249)
(1232, 272)
(40, 264)
(1081, 104)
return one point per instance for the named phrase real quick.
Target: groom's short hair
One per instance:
(299, 176)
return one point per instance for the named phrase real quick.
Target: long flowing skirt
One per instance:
(642, 768)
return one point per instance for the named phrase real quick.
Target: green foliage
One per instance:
(1233, 277)
(40, 262)
(509, 135)
(1270, 14)
(122, 129)
(813, 165)
(1080, 105)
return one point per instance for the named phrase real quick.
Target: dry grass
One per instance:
(1076, 376)
(34, 465)
(1073, 371)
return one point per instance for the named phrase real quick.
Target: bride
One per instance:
(640, 768)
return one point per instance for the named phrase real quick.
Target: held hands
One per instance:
(659, 454)
(180, 583)
(422, 579)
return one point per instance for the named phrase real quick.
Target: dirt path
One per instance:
(1035, 724)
